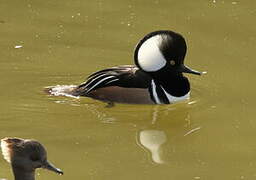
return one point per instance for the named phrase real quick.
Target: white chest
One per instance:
(158, 95)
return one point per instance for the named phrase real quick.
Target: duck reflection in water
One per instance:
(162, 130)
(152, 141)
(164, 124)
(25, 156)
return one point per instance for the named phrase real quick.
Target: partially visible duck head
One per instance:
(26, 155)
(161, 50)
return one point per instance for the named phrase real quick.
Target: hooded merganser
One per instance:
(156, 79)
(25, 157)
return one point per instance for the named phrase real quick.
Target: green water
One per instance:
(61, 42)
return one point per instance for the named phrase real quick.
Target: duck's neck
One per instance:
(175, 84)
(20, 174)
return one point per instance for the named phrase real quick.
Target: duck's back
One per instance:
(121, 84)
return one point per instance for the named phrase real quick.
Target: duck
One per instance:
(156, 78)
(25, 156)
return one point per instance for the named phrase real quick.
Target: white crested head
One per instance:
(6, 151)
(162, 51)
(150, 58)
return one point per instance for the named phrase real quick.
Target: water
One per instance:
(61, 42)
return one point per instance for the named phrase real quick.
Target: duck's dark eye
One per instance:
(34, 158)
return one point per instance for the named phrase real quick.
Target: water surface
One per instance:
(211, 136)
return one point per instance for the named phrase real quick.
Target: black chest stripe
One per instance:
(161, 95)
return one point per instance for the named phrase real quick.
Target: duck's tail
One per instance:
(63, 90)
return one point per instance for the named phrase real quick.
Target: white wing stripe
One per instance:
(99, 83)
(111, 81)
(96, 76)
(94, 80)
